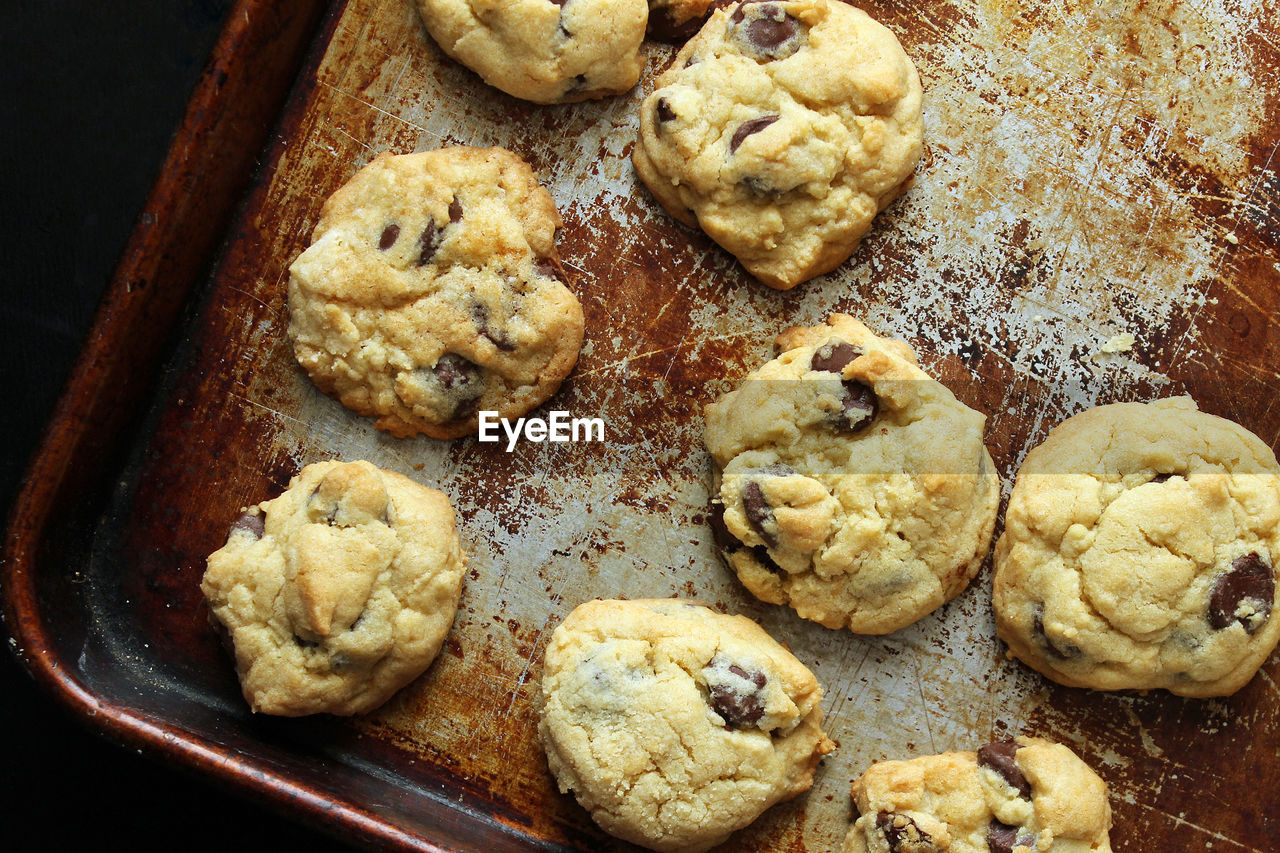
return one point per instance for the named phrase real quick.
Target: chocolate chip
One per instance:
(316, 504)
(306, 644)
(761, 554)
(1001, 837)
(859, 406)
(453, 371)
(903, 835)
(736, 693)
(1249, 579)
(664, 26)
(739, 11)
(389, 236)
(749, 127)
(480, 315)
(251, 523)
(728, 543)
(999, 757)
(770, 33)
(758, 187)
(428, 242)
(719, 530)
(1162, 478)
(832, 357)
(455, 210)
(758, 511)
(664, 111)
(1061, 652)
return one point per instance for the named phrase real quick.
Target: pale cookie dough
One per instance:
(847, 483)
(339, 592)
(675, 725)
(545, 51)
(432, 290)
(1019, 796)
(781, 129)
(1139, 552)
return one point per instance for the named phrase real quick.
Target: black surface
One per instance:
(90, 94)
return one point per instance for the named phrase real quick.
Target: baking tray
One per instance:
(1096, 218)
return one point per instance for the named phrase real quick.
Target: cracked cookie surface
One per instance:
(1139, 552)
(781, 129)
(1026, 795)
(675, 725)
(847, 483)
(338, 592)
(432, 290)
(545, 51)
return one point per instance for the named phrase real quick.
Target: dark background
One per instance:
(90, 95)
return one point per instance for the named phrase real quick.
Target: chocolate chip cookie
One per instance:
(545, 51)
(675, 725)
(432, 290)
(1140, 551)
(1017, 796)
(781, 129)
(339, 592)
(847, 483)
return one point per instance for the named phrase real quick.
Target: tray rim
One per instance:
(52, 470)
(159, 272)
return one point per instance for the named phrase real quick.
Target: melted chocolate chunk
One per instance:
(251, 523)
(428, 243)
(832, 357)
(389, 236)
(859, 406)
(758, 187)
(1162, 478)
(454, 371)
(761, 554)
(728, 543)
(306, 644)
(903, 835)
(1248, 580)
(664, 26)
(739, 700)
(328, 516)
(480, 315)
(455, 210)
(1001, 837)
(719, 530)
(999, 757)
(1061, 652)
(770, 33)
(664, 111)
(758, 511)
(747, 128)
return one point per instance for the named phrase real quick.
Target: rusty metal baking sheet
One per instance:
(1096, 218)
